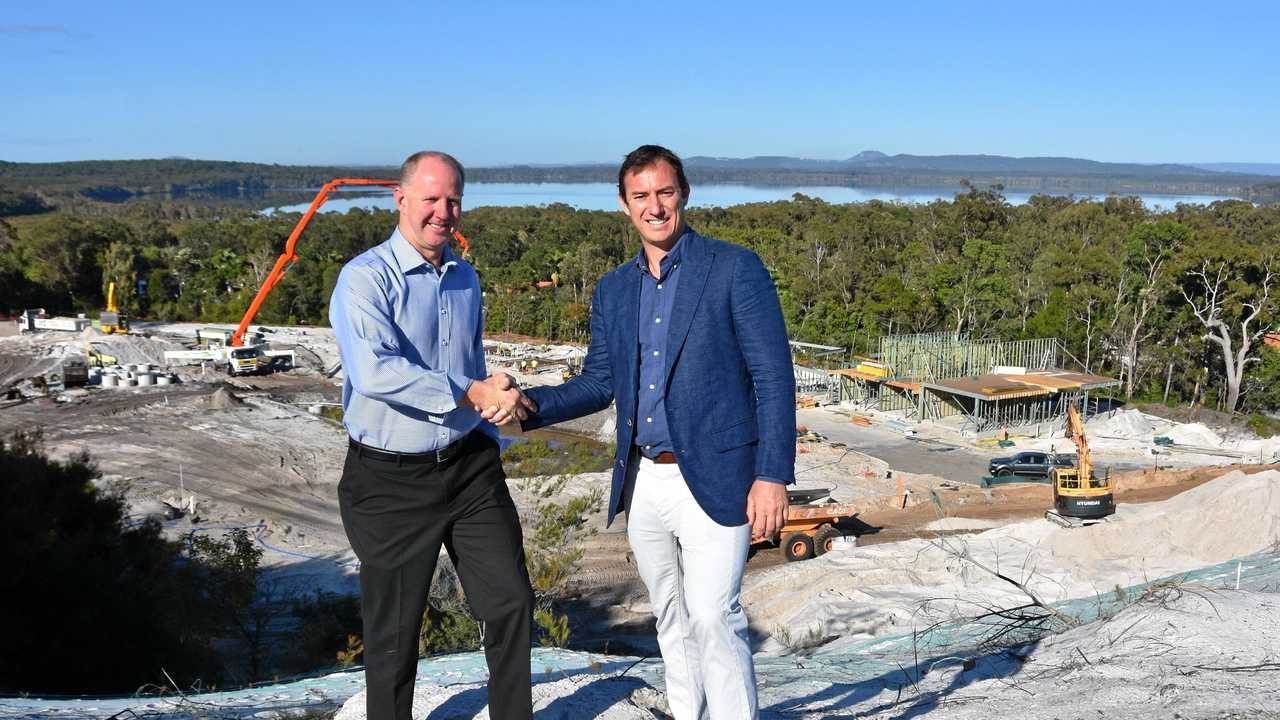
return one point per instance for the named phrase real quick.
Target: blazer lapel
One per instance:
(696, 257)
(628, 324)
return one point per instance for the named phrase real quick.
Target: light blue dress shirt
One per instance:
(410, 339)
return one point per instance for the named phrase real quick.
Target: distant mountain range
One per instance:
(1050, 175)
(871, 160)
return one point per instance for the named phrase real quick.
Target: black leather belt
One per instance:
(431, 457)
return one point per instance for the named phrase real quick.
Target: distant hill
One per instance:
(206, 182)
(982, 164)
(172, 178)
(1246, 168)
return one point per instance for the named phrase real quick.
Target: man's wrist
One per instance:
(472, 390)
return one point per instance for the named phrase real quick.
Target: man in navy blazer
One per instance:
(688, 339)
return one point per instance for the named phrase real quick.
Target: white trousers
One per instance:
(692, 567)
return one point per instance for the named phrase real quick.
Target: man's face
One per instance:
(430, 206)
(653, 201)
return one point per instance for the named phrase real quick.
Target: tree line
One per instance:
(1173, 303)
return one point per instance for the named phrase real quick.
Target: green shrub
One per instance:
(97, 602)
(327, 623)
(1263, 426)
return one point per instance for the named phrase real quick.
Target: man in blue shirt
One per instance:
(423, 468)
(688, 340)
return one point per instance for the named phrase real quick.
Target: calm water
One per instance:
(604, 196)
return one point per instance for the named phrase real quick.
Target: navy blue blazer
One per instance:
(730, 395)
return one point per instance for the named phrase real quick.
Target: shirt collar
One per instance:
(669, 260)
(408, 258)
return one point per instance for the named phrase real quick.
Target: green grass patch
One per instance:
(538, 456)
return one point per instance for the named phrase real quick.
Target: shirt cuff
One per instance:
(772, 480)
(459, 387)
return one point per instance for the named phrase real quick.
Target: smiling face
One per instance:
(653, 200)
(430, 206)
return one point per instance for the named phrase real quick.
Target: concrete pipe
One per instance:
(146, 378)
(110, 381)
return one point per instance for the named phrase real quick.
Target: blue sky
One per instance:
(555, 82)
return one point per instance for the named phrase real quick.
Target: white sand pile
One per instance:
(1266, 449)
(1176, 654)
(1194, 434)
(1132, 424)
(956, 523)
(858, 592)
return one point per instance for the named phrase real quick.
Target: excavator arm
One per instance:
(1075, 431)
(289, 256)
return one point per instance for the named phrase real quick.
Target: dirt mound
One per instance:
(870, 591)
(131, 349)
(1194, 434)
(1133, 424)
(224, 399)
(1239, 515)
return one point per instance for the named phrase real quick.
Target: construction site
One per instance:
(902, 540)
(972, 523)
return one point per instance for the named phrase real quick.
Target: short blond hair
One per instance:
(410, 165)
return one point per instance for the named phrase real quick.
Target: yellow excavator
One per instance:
(1079, 496)
(112, 320)
(96, 358)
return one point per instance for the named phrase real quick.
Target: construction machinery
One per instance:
(812, 527)
(96, 358)
(112, 320)
(290, 256)
(1078, 495)
(36, 319)
(75, 372)
(242, 360)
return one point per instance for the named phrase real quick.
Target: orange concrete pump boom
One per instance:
(289, 257)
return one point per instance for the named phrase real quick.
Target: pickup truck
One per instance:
(1029, 464)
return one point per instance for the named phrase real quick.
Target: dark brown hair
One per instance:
(645, 156)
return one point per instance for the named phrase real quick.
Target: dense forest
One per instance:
(1173, 303)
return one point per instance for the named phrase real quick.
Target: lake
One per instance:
(604, 196)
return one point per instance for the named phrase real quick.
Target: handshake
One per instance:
(499, 400)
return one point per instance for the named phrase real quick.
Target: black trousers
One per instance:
(396, 516)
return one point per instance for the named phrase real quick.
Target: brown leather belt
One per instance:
(664, 458)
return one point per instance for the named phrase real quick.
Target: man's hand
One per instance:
(766, 508)
(499, 400)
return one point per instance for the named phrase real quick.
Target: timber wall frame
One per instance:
(927, 357)
(939, 356)
(915, 362)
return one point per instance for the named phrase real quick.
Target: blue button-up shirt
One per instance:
(410, 339)
(657, 298)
